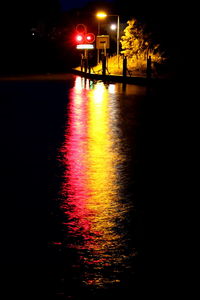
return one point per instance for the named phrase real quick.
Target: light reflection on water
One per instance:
(91, 192)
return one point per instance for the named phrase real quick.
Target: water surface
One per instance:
(73, 166)
(100, 163)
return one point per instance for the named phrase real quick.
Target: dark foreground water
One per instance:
(84, 199)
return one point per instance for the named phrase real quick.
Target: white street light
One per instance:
(113, 26)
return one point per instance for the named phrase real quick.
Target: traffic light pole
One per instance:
(84, 41)
(84, 61)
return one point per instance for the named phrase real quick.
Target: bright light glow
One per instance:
(113, 26)
(90, 37)
(99, 93)
(85, 46)
(101, 15)
(111, 88)
(79, 38)
(80, 84)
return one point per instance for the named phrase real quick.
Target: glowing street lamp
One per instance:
(100, 15)
(103, 15)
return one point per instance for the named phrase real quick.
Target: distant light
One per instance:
(33, 33)
(113, 26)
(85, 46)
(101, 15)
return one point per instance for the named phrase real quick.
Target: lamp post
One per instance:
(118, 40)
(103, 15)
(100, 15)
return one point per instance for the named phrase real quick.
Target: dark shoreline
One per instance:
(127, 79)
(105, 78)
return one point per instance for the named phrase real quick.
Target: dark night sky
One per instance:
(66, 4)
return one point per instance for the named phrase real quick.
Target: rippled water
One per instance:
(73, 204)
(97, 192)
(87, 205)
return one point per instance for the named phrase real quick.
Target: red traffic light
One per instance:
(79, 38)
(82, 37)
(90, 37)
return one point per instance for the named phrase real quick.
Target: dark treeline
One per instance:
(37, 36)
(19, 52)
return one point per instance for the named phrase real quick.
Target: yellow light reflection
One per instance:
(102, 159)
(98, 93)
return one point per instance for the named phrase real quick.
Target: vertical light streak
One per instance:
(74, 187)
(91, 191)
